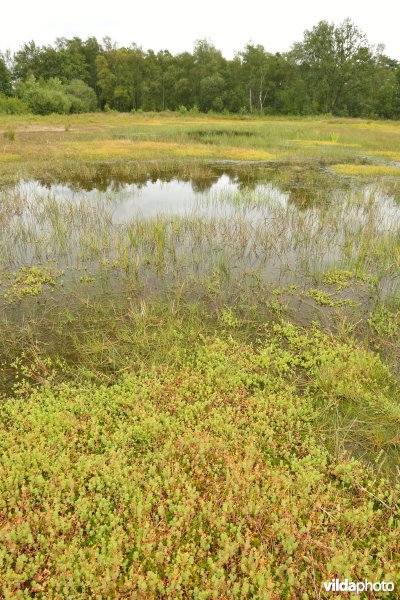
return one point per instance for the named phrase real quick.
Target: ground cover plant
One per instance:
(199, 351)
(205, 480)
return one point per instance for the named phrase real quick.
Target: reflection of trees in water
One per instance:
(306, 186)
(244, 177)
(303, 197)
(106, 178)
(203, 184)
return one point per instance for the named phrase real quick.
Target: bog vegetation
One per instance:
(199, 348)
(334, 69)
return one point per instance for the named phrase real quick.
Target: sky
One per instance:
(176, 24)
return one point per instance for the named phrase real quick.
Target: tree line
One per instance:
(334, 69)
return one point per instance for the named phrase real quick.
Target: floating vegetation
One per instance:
(327, 299)
(341, 278)
(29, 281)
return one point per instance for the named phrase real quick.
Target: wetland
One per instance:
(199, 348)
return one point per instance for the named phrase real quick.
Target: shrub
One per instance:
(51, 96)
(82, 96)
(10, 105)
(45, 97)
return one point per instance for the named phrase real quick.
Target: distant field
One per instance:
(116, 136)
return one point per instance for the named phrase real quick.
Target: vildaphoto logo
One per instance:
(335, 585)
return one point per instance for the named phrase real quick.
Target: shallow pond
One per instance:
(170, 231)
(153, 198)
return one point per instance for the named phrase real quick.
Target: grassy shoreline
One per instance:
(165, 136)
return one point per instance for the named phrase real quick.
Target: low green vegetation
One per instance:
(47, 97)
(326, 299)
(199, 350)
(83, 147)
(206, 478)
(28, 282)
(12, 106)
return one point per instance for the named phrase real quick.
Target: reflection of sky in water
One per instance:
(225, 198)
(156, 198)
(259, 227)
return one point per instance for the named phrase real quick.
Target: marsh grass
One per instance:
(367, 170)
(231, 252)
(201, 403)
(9, 134)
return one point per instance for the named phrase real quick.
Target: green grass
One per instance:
(164, 136)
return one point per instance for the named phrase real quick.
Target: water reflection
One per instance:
(153, 197)
(305, 185)
(284, 228)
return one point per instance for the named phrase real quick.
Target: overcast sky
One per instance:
(176, 24)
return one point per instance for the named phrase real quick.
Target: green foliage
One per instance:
(201, 481)
(67, 60)
(326, 299)
(5, 79)
(52, 96)
(333, 70)
(335, 61)
(339, 277)
(82, 96)
(45, 97)
(347, 380)
(386, 322)
(9, 105)
(211, 93)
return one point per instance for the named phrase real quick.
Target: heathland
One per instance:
(199, 350)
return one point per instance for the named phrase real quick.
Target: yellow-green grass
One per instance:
(387, 155)
(110, 136)
(325, 143)
(8, 156)
(367, 170)
(142, 150)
